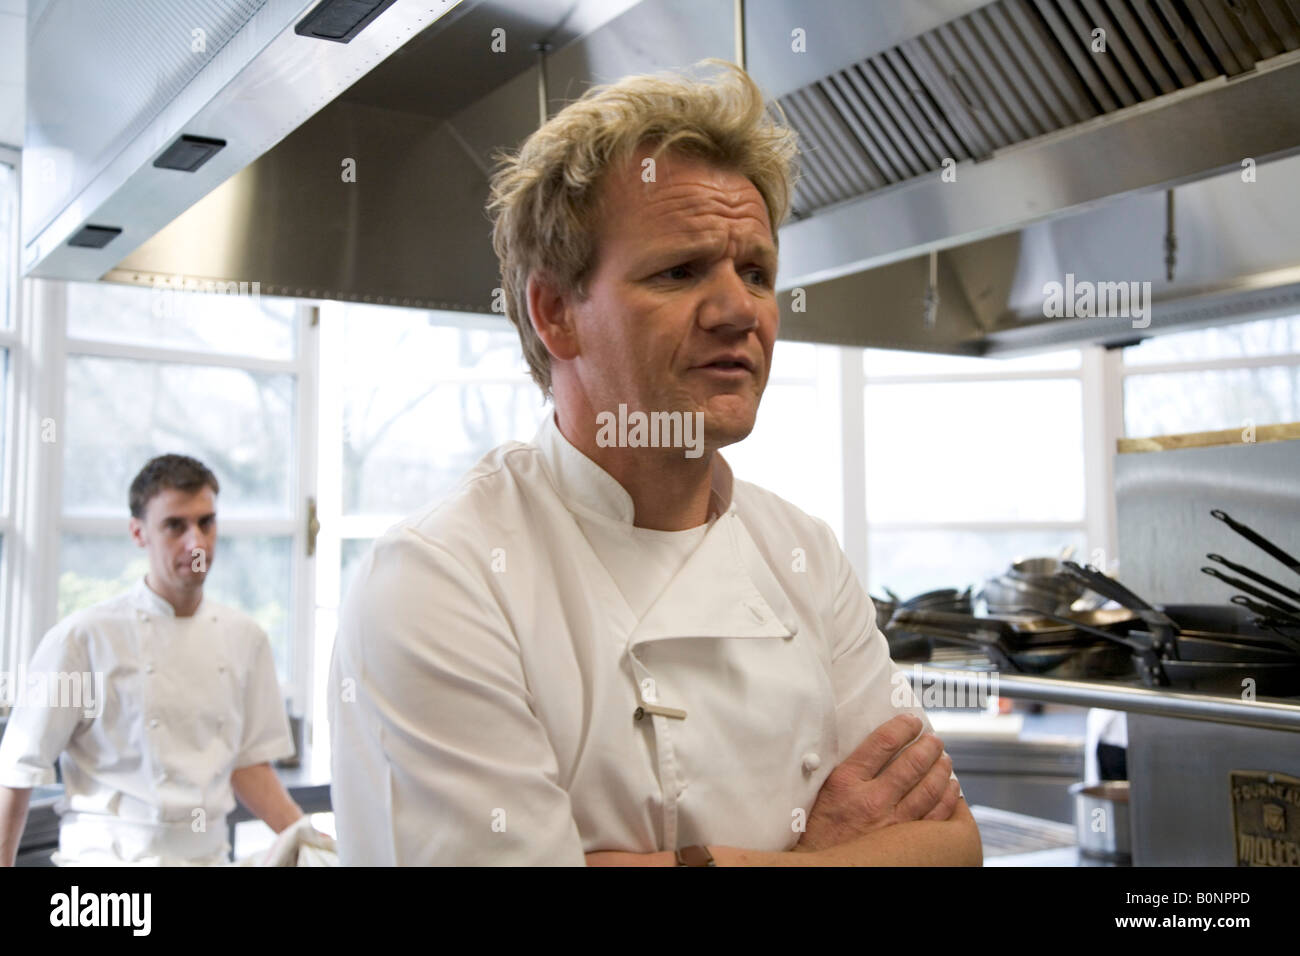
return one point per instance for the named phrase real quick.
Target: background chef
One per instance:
(192, 715)
(609, 654)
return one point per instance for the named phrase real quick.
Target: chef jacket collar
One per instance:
(725, 588)
(584, 484)
(146, 599)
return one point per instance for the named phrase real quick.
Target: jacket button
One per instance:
(811, 762)
(149, 669)
(154, 722)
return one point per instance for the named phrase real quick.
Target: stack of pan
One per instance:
(909, 645)
(1251, 645)
(1029, 643)
(1214, 647)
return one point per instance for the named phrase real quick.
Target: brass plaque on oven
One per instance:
(1265, 818)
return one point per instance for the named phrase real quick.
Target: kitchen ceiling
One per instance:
(1062, 156)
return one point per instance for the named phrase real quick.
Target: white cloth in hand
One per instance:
(302, 845)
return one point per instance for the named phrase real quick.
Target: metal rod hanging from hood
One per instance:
(738, 14)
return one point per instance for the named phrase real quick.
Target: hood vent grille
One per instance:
(1012, 71)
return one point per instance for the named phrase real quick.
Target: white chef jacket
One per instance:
(188, 700)
(488, 668)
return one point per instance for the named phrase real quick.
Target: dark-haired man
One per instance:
(189, 714)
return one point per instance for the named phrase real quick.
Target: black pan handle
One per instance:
(1255, 576)
(1106, 587)
(1258, 540)
(1263, 610)
(1250, 589)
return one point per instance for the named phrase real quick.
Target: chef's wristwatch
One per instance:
(695, 856)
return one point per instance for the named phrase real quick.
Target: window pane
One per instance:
(784, 453)
(876, 362)
(975, 451)
(1175, 402)
(402, 458)
(230, 323)
(1244, 340)
(912, 562)
(253, 574)
(794, 360)
(383, 343)
(122, 413)
(408, 436)
(8, 241)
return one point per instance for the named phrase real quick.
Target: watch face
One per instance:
(695, 856)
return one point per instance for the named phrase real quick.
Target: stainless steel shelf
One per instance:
(1270, 713)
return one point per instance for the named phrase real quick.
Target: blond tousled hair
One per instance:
(545, 196)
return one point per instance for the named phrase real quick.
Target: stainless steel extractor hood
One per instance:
(116, 88)
(998, 136)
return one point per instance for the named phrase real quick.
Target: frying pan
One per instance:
(1015, 633)
(1271, 679)
(1201, 645)
(1279, 622)
(1257, 539)
(1212, 622)
(1027, 646)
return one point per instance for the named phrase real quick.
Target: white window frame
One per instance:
(45, 521)
(12, 341)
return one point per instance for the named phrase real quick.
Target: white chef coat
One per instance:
(188, 700)
(488, 666)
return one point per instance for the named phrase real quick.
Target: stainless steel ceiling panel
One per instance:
(1000, 66)
(958, 105)
(837, 180)
(892, 132)
(1168, 46)
(886, 163)
(1204, 15)
(1193, 133)
(1028, 79)
(968, 78)
(880, 77)
(839, 33)
(1067, 36)
(1050, 67)
(1274, 11)
(844, 152)
(1082, 24)
(1134, 35)
(1118, 48)
(930, 119)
